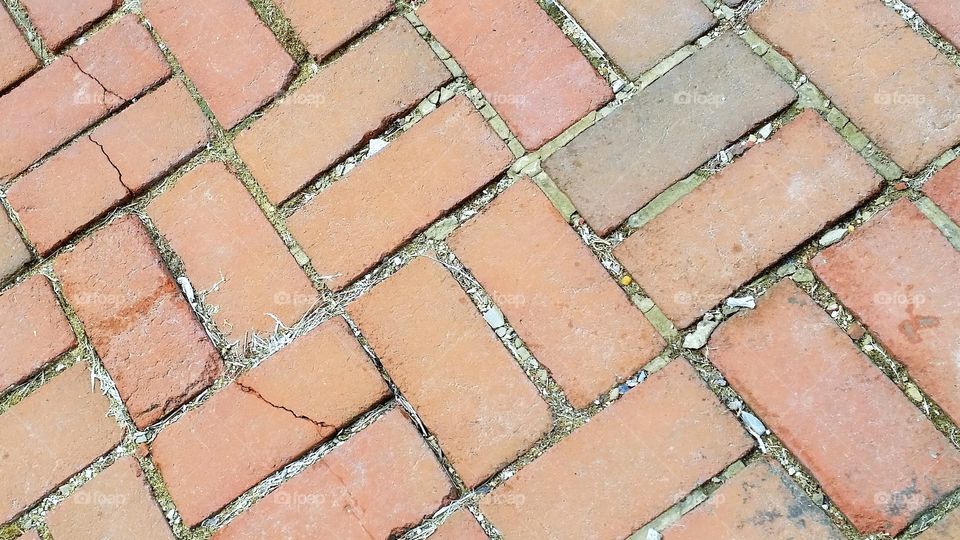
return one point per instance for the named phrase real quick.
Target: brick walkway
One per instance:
(467, 269)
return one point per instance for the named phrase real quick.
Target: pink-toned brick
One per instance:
(340, 108)
(876, 456)
(77, 89)
(623, 468)
(33, 330)
(234, 60)
(946, 529)
(944, 189)
(16, 56)
(521, 61)
(13, 252)
(460, 526)
(325, 25)
(381, 481)
(464, 385)
(116, 503)
(271, 415)
(59, 21)
(227, 244)
(51, 435)
(137, 320)
(399, 191)
(30, 535)
(571, 314)
(745, 218)
(942, 15)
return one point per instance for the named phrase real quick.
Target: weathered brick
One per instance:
(57, 22)
(325, 25)
(896, 275)
(115, 503)
(643, 454)
(571, 315)
(942, 16)
(883, 75)
(351, 99)
(271, 415)
(667, 130)
(222, 237)
(16, 57)
(464, 385)
(662, 26)
(30, 535)
(13, 252)
(234, 60)
(876, 456)
(389, 198)
(116, 160)
(946, 529)
(51, 435)
(77, 89)
(944, 189)
(382, 480)
(143, 329)
(759, 503)
(745, 218)
(33, 330)
(460, 526)
(539, 90)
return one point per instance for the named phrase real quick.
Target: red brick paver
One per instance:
(325, 25)
(876, 456)
(521, 61)
(59, 21)
(29, 535)
(946, 529)
(944, 189)
(390, 197)
(13, 252)
(16, 57)
(460, 526)
(942, 15)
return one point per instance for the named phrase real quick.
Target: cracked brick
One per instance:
(58, 21)
(16, 56)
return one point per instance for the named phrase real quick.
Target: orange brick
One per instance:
(143, 329)
(567, 309)
(460, 526)
(383, 480)
(627, 465)
(325, 25)
(353, 98)
(944, 189)
(50, 436)
(389, 198)
(222, 237)
(116, 503)
(451, 367)
(747, 217)
(876, 456)
(16, 56)
(33, 330)
(234, 60)
(59, 21)
(539, 90)
(13, 252)
(946, 529)
(271, 415)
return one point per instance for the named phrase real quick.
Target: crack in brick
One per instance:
(251, 390)
(96, 80)
(112, 164)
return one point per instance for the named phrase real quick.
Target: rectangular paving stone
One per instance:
(143, 329)
(878, 459)
(569, 312)
(51, 435)
(13, 252)
(463, 383)
(57, 21)
(642, 454)
(666, 131)
(325, 25)
(212, 222)
(942, 15)
(382, 480)
(234, 60)
(16, 56)
(390, 197)
(267, 418)
(352, 99)
(460, 526)
(944, 189)
(539, 90)
(876, 69)
(747, 217)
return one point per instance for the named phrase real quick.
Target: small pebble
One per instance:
(698, 338)
(832, 237)
(742, 302)
(802, 275)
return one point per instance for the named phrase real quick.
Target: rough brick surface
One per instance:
(759, 503)
(745, 218)
(567, 309)
(352, 99)
(876, 456)
(666, 131)
(13, 252)
(382, 480)
(233, 59)
(139, 323)
(643, 454)
(325, 25)
(521, 62)
(118, 159)
(451, 367)
(59, 21)
(51, 435)
(460, 526)
(893, 273)
(946, 529)
(29, 535)
(271, 415)
(944, 189)
(116, 503)
(942, 15)
(662, 26)
(886, 78)
(16, 56)
(33, 330)
(390, 197)
(220, 234)
(76, 90)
